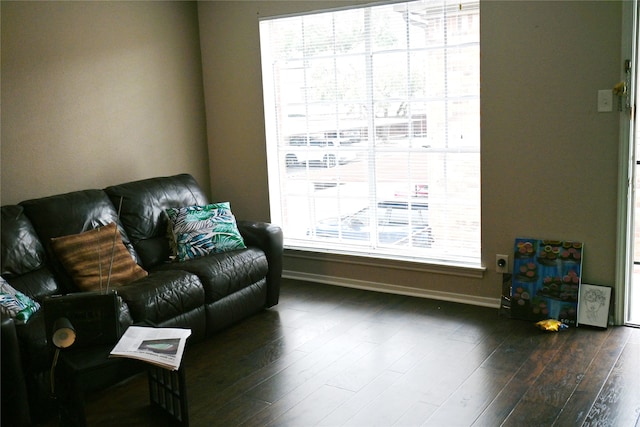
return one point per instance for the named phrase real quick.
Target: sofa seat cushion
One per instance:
(162, 295)
(36, 284)
(235, 307)
(225, 273)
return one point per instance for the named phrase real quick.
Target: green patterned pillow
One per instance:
(15, 304)
(195, 231)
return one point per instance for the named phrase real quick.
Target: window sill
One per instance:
(460, 269)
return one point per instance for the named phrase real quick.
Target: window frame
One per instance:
(275, 184)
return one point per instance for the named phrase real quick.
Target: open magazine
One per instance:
(161, 346)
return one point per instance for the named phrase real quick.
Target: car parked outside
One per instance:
(320, 150)
(400, 222)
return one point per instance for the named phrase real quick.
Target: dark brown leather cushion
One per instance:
(163, 295)
(21, 250)
(23, 257)
(143, 211)
(71, 213)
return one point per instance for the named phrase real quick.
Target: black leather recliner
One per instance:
(205, 294)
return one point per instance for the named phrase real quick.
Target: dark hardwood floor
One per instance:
(332, 356)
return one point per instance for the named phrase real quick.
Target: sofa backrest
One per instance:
(71, 213)
(143, 211)
(23, 260)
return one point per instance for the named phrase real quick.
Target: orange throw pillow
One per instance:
(87, 258)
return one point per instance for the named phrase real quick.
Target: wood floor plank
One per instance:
(289, 392)
(355, 404)
(332, 356)
(483, 386)
(233, 413)
(556, 383)
(313, 408)
(306, 368)
(224, 396)
(464, 406)
(559, 379)
(416, 415)
(385, 409)
(618, 403)
(532, 351)
(578, 406)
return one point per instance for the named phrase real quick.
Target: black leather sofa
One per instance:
(205, 294)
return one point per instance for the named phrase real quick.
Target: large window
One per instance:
(373, 130)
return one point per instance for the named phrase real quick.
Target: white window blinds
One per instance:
(373, 130)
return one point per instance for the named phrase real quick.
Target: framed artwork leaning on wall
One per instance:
(593, 305)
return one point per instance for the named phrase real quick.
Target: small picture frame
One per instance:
(593, 305)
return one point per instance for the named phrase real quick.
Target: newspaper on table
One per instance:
(161, 346)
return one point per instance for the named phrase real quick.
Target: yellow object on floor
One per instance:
(551, 325)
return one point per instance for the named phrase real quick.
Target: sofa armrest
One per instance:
(267, 237)
(15, 406)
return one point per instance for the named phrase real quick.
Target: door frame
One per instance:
(626, 171)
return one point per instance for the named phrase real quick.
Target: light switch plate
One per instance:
(605, 100)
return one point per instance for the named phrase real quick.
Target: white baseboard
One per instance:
(393, 289)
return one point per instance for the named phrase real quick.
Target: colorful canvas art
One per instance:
(546, 280)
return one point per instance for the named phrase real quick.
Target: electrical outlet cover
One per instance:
(504, 268)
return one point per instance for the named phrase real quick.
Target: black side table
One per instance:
(84, 370)
(90, 369)
(168, 392)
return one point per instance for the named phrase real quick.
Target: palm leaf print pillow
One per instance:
(195, 231)
(15, 304)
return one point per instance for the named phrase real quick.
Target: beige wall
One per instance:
(99, 93)
(549, 160)
(95, 93)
